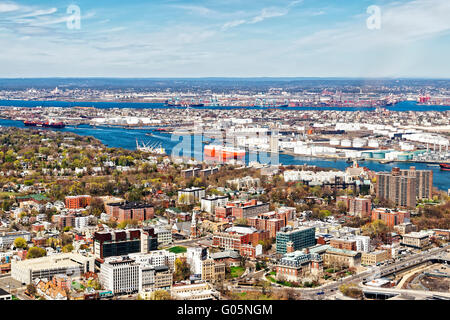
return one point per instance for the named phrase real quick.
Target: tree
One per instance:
(6, 205)
(96, 207)
(160, 295)
(342, 207)
(31, 289)
(266, 244)
(20, 243)
(376, 229)
(66, 239)
(52, 242)
(351, 290)
(324, 213)
(182, 270)
(36, 252)
(127, 222)
(67, 248)
(266, 287)
(242, 221)
(135, 195)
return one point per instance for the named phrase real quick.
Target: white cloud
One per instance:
(196, 9)
(233, 24)
(37, 13)
(400, 24)
(265, 13)
(269, 13)
(8, 7)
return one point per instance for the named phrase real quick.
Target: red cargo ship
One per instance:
(47, 124)
(224, 153)
(445, 166)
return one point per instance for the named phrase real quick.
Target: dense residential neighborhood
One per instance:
(81, 221)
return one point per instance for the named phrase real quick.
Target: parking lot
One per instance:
(8, 283)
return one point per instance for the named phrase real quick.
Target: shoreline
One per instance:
(286, 152)
(381, 161)
(161, 105)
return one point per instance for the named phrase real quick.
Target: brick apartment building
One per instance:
(360, 207)
(250, 251)
(66, 221)
(136, 211)
(112, 208)
(272, 221)
(77, 202)
(399, 188)
(244, 210)
(235, 237)
(424, 181)
(130, 211)
(390, 217)
(343, 244)
(222, 213)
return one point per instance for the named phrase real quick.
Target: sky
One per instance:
(225, 38)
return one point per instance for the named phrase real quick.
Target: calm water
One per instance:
(402, 106)
(126, 138)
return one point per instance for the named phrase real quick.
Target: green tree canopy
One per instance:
(160, 295)
(36, 252)
(20, 243)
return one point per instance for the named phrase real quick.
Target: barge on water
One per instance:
(44, 124)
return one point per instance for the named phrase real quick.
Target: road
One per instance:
(13, 286)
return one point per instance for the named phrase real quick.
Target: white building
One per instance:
(7, 238)
(362, 243)
(209, 204)
(156, 258)
(164, 235)
(70, 264)
(315, 177)
(120, 276)
(81, 222)
(194, 257)
(190, 195)
(196, 291)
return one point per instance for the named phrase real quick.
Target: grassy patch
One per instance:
(178, 249)
(236, 271)
(6, 195)
(283, 283)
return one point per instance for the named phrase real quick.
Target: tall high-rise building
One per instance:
(424, 181)
(123, 242)
(396, 187)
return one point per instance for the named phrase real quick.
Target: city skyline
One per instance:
(195, 39)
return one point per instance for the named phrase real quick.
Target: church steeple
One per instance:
(194, 230)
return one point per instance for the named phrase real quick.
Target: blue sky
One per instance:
(225, 38)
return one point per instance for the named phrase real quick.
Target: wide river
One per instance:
(402, 106)
(126, 138)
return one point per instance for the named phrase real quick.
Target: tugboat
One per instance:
(445, 166)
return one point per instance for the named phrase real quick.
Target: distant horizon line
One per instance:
(218, 77)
